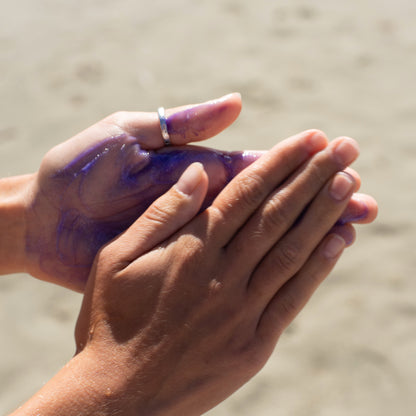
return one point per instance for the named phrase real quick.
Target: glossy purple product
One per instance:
(100, 193)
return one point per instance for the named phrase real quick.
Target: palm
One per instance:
(102, 190)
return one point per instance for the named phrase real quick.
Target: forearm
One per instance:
(13, 198)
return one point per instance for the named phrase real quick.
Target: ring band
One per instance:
(163, 126)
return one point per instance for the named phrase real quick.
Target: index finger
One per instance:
(243, 195)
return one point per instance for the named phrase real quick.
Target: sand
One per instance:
(347, 68)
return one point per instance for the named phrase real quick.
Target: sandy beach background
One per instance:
(346, 67)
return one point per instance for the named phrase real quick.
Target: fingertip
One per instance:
(316, 139)
(333, 246)
(202, 121)
(341, 186)
(362, 209)
(310, 141)
(349, 140)
(370, 208)
(356, 177)
(235, 96)
(234, 104)
(226, 108)
(190, 178)
(346, 150)
(346, 232)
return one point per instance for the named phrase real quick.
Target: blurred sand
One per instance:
(347, 68)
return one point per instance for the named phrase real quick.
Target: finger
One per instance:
(285, 205)
(362, 209)
(290, 253)
(247, 191)
(166, 215)
(356, 177)
(185, 124)
(346, 231)
(293, 296)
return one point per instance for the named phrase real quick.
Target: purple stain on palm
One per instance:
(104, 190)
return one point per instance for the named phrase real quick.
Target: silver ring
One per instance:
(163, 126)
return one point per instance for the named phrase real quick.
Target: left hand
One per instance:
(92, 187)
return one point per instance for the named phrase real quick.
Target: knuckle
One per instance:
(105, 253)
(158, 215)
(250, 189)
(318, 173)
(192, 248)
(218, 214)
(253, 357)
(276, 213)
(192, 243)
(110, 260)
(289, 307)
(287, 258)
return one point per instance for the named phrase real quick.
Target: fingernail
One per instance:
(190, 179)
(317, 141)
(346, 151)
(346, 232)
(342, 185)
(333, 246)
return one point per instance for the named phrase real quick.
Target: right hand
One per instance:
(174, 321)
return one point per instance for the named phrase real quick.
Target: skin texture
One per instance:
(181, 310)
(93, 187)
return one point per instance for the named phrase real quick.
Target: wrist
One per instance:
(84, 386)
(14, 195)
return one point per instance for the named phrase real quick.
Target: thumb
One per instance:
(166, 215)
(190, 123)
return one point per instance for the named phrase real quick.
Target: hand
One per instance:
(177, 328)
(92, 187)
(178, 314)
